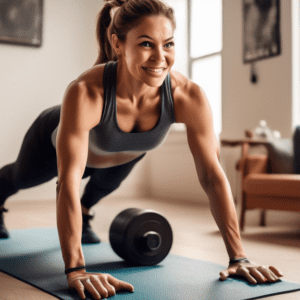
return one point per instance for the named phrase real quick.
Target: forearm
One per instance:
(224, 213)
(69, 224)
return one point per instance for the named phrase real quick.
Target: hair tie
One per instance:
(113, 11)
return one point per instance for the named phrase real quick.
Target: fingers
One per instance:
(269, 275)
(93, 291)
(276, 271)
(243, 271)
(119, 284)
(78, 286)
(226, 273)
(109, 289)
(258, 274)
(253, 273)
(100, 286)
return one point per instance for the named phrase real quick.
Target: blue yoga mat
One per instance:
(34, 256)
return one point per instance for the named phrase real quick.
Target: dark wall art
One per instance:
(261, 29)
(21, 22)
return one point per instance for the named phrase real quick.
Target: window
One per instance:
(205, 46)
(295, 64)
(198, 40)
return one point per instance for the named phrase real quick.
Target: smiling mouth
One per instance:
(153, 70)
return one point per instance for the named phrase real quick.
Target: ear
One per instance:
(116, 44)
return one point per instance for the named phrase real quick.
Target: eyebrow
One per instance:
(148, 37)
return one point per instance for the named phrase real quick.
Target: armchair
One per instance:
(262, 189)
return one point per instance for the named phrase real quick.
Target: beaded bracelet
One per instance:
(74, 269)
(239, 260)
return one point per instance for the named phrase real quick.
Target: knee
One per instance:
(8, 179)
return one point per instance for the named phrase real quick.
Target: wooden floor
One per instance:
(195, 232)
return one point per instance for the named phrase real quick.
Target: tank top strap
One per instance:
(169, 103)
(109, 85)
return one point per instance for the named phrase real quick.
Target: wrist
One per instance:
(73, 258)
(76, 274)
(239, 260)
(71, 270)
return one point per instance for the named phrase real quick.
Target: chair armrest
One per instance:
(253, 164)
(256, 164)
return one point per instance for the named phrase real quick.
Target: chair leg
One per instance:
(262, 218)
(243, 211)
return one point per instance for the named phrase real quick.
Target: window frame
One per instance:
(191, 59)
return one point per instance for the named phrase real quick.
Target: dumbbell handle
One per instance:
(152, 240)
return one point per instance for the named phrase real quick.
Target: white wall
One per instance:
(275, 98)
(244, 104)
(33, 79)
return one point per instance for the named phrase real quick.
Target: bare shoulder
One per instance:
(93, 77)
(188, 97)
(177, 79)
(83, 100)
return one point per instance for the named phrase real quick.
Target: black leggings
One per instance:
(37, 164)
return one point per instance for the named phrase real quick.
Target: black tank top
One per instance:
(107, 135)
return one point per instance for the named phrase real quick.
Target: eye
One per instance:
(169, 45)
(146, 44)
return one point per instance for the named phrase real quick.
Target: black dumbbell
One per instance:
(141, 236)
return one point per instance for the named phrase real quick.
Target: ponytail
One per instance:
(103, 22)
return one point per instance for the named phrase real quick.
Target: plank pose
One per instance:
(111, 115)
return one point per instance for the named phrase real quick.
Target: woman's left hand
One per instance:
(252, 272)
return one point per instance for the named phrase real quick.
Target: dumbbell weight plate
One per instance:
(142, 237)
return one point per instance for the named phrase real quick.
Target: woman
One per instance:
(110, 123)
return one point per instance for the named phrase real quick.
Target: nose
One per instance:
(158, 54)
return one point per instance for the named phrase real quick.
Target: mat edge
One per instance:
(29, 283)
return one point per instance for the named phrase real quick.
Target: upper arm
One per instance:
(77, 119)
(193, 109)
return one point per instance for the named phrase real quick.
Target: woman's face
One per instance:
(149, 51)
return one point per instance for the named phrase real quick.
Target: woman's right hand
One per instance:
(99, 285)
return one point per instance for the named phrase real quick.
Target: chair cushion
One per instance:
(286, 185)
(281, 156)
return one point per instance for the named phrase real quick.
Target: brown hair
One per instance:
(129, 15)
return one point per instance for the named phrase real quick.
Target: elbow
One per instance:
(207, 183)
(211, 180)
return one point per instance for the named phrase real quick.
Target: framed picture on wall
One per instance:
(21, 22)
(261, 29)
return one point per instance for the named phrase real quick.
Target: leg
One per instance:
(101, 183)
(7, 185)
(105, 181)
(36, 164)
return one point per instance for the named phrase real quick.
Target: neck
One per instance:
(129, 88)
